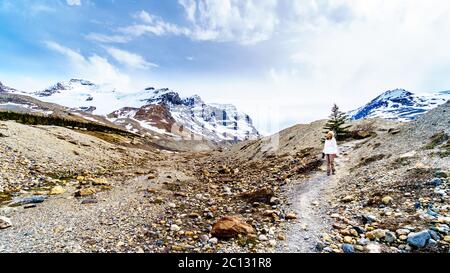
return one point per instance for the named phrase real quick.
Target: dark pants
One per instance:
(330, 163)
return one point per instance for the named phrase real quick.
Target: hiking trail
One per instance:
(309, 200)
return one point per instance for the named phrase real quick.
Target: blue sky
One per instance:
(282, 61)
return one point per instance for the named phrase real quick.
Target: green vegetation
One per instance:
(336, 123)
(34, 119)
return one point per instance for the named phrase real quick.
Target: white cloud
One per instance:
(245, 22)
(103, 38)
(154, 25)
(74, 2)
(94, 68)
(129, 59)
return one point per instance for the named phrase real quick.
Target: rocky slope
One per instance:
(396, 196)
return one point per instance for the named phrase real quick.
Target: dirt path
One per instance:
(309, 199)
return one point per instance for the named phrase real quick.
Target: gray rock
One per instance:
(434, 235)
(435, 182)
(28, 200)
(431, 243)
(213, 241)
(363, 241)
(347, 248)
(442, 228)
(369, 218)
(419, 239)
(390, 237)
(328, 249)
(5, 222)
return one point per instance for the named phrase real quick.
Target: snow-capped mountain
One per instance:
(6, 89)
(400, 105)
(160, 111)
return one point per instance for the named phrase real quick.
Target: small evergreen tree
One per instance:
(336, 123)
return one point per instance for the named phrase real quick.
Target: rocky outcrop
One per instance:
(231, 226)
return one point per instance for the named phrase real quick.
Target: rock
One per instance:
(402, 231)
(361, 134)
(367, 219)
(326, 238)
(435, 182)
(5, 222)
(348, 239)
(373, 248)
(175, 228)
(231, 226)
(28, 200)
(99, 181)
(272, 243)
(434, 235)
(348, 248)
(89, 201)
(376, 234)
(203, 238)
(431, 243)
(390, 237)
(263, 195)
(290, 216)
(57, 190)
(213, 241)
(387, 200)
(419, 239)
(274, 201)
(85, 192)
(363, 241)
(359, 248)
(262, 237)
(393, 131)
(348, 198)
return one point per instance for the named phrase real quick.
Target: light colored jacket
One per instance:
(330, 147)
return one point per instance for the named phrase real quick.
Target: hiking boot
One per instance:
(333, 172)
(328, 173)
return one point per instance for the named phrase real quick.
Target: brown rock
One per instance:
(231, 226)
(348, 199)
(262, 195)
(85, 192)
(291, 216)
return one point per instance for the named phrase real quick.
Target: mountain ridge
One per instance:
(400, 104)
(191, 115)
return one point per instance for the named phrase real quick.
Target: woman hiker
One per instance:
(330, 151)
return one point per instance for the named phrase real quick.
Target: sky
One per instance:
(282, 61)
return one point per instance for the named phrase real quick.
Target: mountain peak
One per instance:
(81, 81)
(399, 104)
(394, 94)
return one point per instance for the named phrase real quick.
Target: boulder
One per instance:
(99, 182)
(390, 237)
(419, 239)
(85, 192)
(348, 198)
(231, 226)
(57, 190)
(386, 200)
(348, 248)
(263, 195)
(28, 200)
